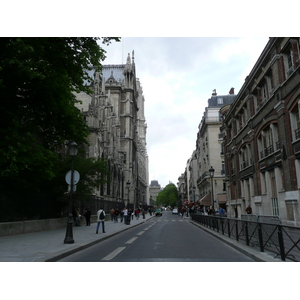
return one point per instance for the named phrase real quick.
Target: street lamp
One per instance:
(194, 189)
(128, 185)
(69, 233)
(211, 174)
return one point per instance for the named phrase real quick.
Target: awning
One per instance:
(206, 200)
(221, 198)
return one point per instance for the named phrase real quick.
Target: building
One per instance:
(154, 190)
(210, 153)
(261, 136)
(115, 114)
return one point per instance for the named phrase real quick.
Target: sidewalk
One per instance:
(49, 245)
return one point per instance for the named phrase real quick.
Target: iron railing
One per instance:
(282, 240)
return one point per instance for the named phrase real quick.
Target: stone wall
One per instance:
(20, 227)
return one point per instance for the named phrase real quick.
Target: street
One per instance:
(169, 238)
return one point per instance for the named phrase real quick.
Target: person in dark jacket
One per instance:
(87, 215)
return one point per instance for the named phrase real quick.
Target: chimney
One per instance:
(214, 92)
(231, 92)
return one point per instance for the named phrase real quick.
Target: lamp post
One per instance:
(194, 189)
(69, 233)
(211, 174)
(128, 185)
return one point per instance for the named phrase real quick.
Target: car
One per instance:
(158, 212)
(175, 211)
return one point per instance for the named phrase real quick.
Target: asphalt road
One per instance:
(162, 239)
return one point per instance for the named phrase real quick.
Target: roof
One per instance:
(214, 101)
(107, 71)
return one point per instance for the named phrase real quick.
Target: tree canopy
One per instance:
(38, 78)
(168, 196)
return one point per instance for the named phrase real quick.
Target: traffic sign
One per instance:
(76, 177)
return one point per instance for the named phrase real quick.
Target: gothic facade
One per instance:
(114, 113)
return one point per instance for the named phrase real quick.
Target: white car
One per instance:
(175, 211)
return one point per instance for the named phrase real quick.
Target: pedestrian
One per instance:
(116, 214)
(100, 219)
(143, 213)
(221, 211)
(182, 212)
(112, 212)
(125, 214)
(248, 210)
(121, 216)
(87, 215)
(129, 213)
(137, 214)
(75, 214)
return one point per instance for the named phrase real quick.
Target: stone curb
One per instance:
(54, 257)
(247, 250)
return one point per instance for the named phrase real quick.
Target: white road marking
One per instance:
(141, 232)
(114, 253)
(131, 240)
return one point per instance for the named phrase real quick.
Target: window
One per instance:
(220, 101)
(275, 208)
(268, 141)
(295, 122)
(291, 57)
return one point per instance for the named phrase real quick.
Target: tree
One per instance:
(168, 196)
(38, 78)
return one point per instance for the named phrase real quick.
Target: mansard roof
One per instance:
(214, 101)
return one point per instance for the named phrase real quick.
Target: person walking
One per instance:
(121, 216)
(75, 214)
(112, 212)
(87, 215)
(116, 214)
(100, 219)
(125, 214)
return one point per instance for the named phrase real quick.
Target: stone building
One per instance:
(210, 153)
(115, 114)
(261, 136)
(154, 190)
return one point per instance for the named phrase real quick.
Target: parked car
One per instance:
(175, 211)
(158, 212)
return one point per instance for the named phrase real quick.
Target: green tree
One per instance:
(38, 78)
(168, 196)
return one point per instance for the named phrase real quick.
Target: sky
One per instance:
(178, 76)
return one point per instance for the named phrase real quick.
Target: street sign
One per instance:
(76, 177)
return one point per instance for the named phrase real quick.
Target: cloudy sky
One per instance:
(178, 76)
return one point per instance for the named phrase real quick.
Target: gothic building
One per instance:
(114, 113)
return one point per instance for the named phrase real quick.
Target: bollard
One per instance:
(69, 233)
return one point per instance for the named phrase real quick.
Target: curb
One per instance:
(54, 257)
(246, 250)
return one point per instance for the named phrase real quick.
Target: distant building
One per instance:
(154, 190)
(210, 153)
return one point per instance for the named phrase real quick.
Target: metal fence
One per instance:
(282, 240)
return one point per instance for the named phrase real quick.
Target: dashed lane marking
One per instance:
(131, 240)
(141, 232)
(114, 253)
